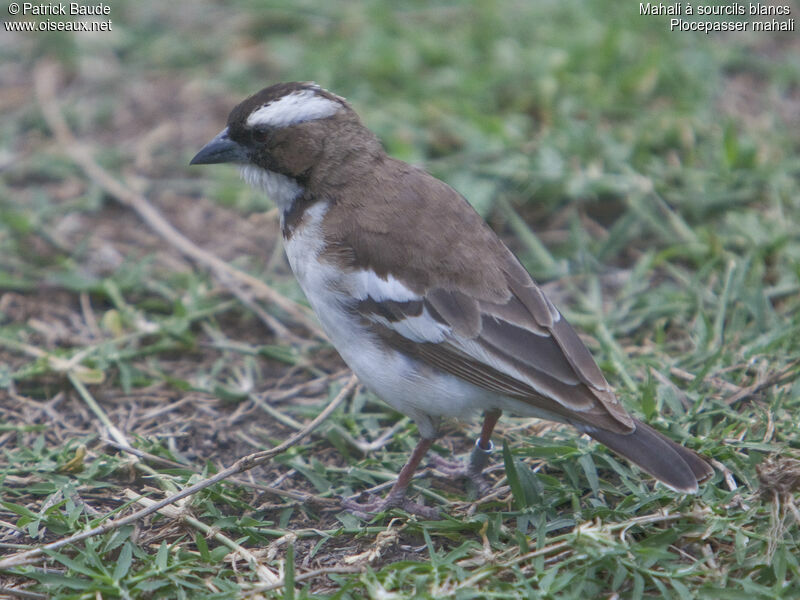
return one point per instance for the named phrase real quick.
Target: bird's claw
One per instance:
(367, 510)
(472, 471)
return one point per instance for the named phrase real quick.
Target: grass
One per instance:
(649, 179)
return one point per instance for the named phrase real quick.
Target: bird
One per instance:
(420, 297)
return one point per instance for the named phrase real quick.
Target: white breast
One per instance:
(407, 385)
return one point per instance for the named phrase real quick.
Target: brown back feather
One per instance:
(472, 282)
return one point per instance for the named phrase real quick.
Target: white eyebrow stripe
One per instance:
(297, 107)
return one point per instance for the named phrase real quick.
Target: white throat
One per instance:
(282, 190)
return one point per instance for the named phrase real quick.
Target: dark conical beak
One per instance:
(221, 149)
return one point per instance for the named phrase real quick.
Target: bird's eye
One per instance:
(260, 135)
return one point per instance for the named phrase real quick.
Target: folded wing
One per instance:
(521, 348)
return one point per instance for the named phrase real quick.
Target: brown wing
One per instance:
(479, 315)
(505, 349)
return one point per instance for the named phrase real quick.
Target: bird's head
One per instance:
(290, 133)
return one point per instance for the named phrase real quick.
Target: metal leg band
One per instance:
(479, 457)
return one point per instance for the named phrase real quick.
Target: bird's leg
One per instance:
(397, 495)
(478, 458)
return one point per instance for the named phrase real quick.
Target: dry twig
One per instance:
(307, 575)
(789, 373)
(786, 375)
(264, 573)
(243, 464)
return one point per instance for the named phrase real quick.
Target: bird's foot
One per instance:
(456, 469)
(367, 510)
(472, 470)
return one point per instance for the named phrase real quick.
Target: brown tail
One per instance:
(679, 468)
